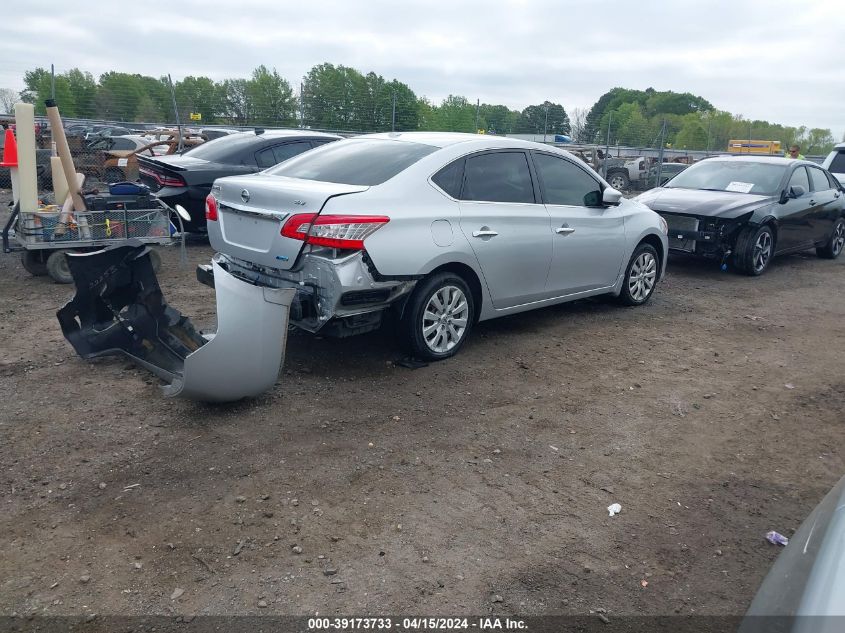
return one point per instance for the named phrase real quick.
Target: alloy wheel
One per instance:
(838, 241)
(445, 318)
(762, 251)
(642, 277)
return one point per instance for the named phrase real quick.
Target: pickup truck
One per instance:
(621, 172)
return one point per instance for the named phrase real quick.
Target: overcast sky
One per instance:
(776, 60)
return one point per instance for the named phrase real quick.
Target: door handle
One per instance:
(484, 233)
(564, 230)
(812, 202)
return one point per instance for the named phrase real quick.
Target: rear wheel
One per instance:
(34, 262)
(836, 243)
(438, 317)
(755, 249)
(58, 268)
(640, 276)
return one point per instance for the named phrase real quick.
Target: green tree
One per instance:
(455, 114)
(548, 117)
(83, 90)
(196, 95)
(39, 88)
(498, 119)
(271, 97)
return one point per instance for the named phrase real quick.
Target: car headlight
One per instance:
(663, 225)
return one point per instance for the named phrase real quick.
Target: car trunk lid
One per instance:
(253, 209)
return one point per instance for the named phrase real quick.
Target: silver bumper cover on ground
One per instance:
(119, 309)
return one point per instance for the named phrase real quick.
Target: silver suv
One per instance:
(835, 162)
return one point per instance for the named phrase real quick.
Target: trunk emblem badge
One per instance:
(299, 202)
(245, 195)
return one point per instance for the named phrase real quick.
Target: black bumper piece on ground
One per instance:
(119, 309)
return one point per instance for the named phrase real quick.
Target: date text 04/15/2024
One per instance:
(486, 623)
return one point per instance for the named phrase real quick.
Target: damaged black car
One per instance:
(744, 210)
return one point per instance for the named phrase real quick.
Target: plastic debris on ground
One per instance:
(614, 509)
(776, 539)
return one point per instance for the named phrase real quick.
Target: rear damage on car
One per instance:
(289, 233)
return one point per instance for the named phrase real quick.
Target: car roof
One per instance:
(839, 146)
(285, 133)
(751, 158)
(446, 139)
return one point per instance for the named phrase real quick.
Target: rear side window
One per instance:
(366, 162)
(566, 183)
(498, 177)
(799, 177)
(289, 150)
(450, 178)
(265, 158)
(820, 182)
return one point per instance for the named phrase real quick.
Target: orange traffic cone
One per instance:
(10, 150)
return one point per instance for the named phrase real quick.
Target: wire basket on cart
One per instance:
(49, 229)
(44, 235)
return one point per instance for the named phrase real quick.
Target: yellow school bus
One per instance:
(769, 148)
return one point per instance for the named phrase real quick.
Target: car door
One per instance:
(796, 228)
(588, 238)
(507, 226)
(824, 201)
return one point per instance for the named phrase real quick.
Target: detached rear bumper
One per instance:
(119, 309)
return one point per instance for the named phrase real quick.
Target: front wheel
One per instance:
(438, 317)
(836, 243)
(640, 276)
(755, 249)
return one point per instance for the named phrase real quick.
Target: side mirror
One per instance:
(796, 191)
(611, 197)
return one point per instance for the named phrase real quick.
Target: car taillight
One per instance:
(334, 231)
(211, 208)
(162, 179)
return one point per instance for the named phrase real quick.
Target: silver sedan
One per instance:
(439, 230)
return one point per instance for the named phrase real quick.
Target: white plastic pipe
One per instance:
(13, 175)
(58, 132)
(27, 175)
(60, 188)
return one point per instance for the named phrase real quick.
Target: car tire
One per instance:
(58, 269)
(836, 243)
(438, 317)
(755, 248)
(618, 181)
(113, 174)
(640, 276)
(34, 263)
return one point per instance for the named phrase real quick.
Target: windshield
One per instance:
(367, 162)
(729, 175)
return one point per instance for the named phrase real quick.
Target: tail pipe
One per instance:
(119, 309)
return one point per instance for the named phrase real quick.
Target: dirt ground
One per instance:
(479, 484)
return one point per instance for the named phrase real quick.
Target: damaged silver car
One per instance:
(440, 230)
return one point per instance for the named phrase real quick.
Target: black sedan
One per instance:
(186, 178)
(744, 210)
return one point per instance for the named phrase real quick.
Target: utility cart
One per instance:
(44, 236)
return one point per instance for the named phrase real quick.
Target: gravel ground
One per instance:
(712, 415)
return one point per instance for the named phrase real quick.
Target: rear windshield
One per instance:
(224, 148)
(366, 162)
(737, 176)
